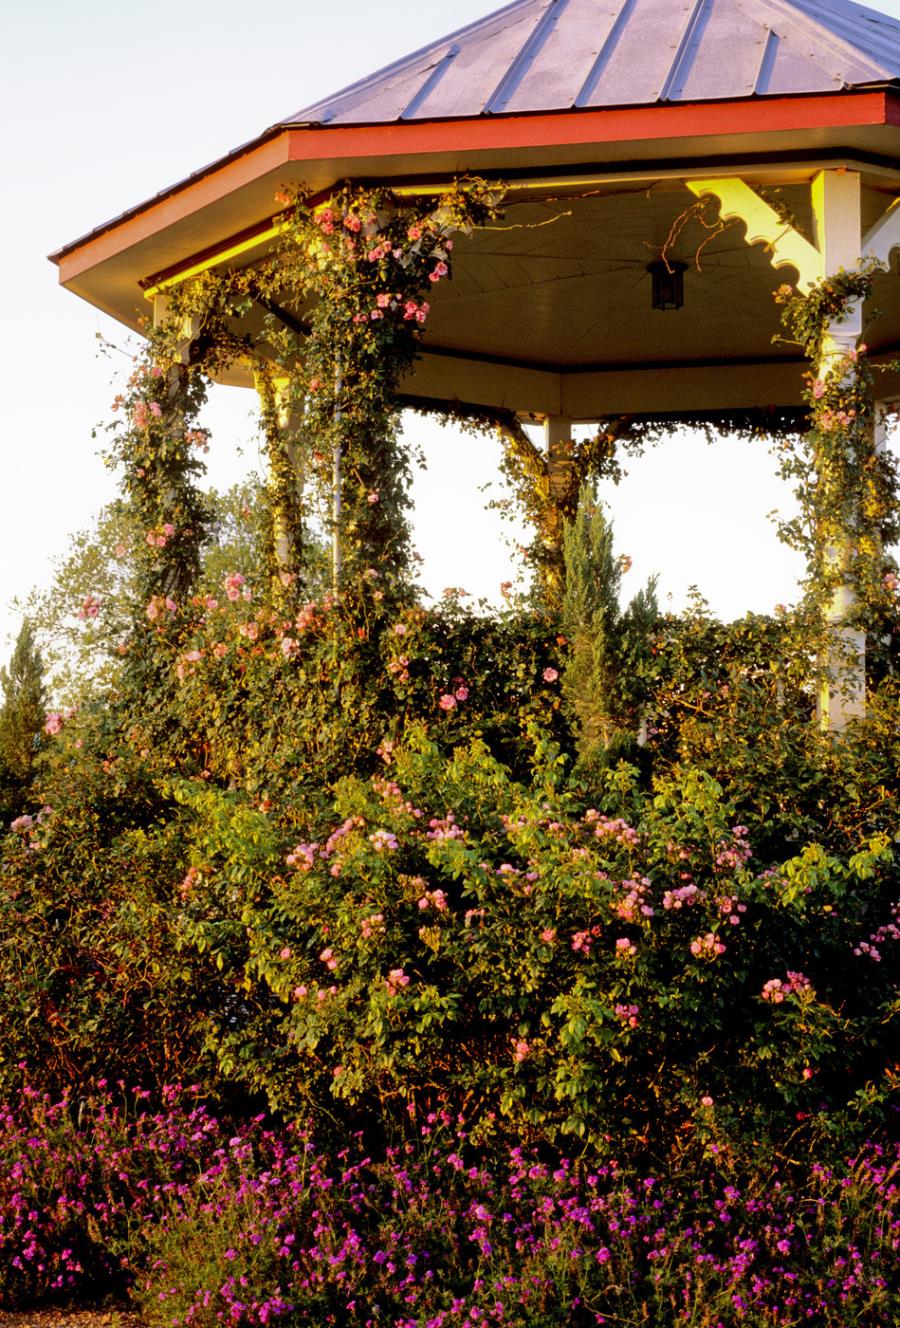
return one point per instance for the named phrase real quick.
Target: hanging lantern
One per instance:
(668, 283)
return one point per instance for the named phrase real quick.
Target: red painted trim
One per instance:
(457, 137)
(174, 205)
(620, 125)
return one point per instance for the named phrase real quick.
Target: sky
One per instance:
(102, 103)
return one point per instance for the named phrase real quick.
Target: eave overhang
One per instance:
(223, 215)
(235, 193)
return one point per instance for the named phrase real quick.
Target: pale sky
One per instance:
(105, 102)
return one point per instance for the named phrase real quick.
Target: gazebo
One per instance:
(666, 165)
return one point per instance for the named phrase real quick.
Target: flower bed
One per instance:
(208, 1223)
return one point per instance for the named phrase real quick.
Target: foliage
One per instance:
(451, 934)
(157, 441)
(84, 617)
(101, 977)
(440, 1235)
(93, 982)
(85, 613)
(84, 1175)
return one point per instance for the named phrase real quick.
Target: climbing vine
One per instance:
(157, 441)
(361, 266)
(845, 486)
(339, 311)
(546, 486)
(286, 479)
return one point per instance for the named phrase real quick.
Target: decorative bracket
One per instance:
(786, 246)
(884, 236)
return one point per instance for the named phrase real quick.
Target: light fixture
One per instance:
(668, 283)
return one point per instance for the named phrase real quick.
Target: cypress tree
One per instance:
(604, 684)
(23, 709)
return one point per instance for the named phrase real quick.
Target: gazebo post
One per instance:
(836, 199)
(337, 483)
(558, 447)
(839, 245)
(558, 453)
(275, 394)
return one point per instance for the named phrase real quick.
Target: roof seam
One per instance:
(687, 50)
(517, 70)
(404, 62)
(425, 91)
(767, 63)
(604, 55)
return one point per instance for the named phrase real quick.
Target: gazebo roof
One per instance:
(564, 55)
(594, 116)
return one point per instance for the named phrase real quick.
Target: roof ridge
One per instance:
(808, 15)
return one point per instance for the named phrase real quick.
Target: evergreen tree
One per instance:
(24, 703)
(609, 650)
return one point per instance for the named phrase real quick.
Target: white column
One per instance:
(837, 220)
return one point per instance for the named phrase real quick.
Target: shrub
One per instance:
(593, 969)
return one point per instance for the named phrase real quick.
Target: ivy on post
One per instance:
(547, 482)
(846, 488)
(282, 428)
(158, 442)
(361, 266)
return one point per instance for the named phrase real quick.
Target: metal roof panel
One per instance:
(723, 57)
(556, 55)
(478, 72)
(569, 50)
(804, 42)
(640, 59)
